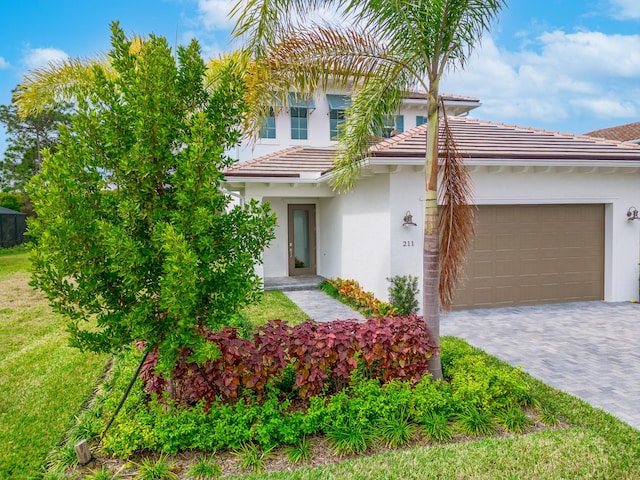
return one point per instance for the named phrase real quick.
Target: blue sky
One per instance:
(553, 64)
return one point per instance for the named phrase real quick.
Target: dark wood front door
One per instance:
(302, 239)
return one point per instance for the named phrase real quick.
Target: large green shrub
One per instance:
(135, 239)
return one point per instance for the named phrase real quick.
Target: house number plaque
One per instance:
(407, 243)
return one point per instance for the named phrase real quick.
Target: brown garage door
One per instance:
(533, 254)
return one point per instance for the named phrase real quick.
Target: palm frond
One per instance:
(56, 83)
(456, 217)
(311, 60)
(378, 99)
(262, 22)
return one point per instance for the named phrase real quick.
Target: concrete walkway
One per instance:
(321, 307)
(590, 350)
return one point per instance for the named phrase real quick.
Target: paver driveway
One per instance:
(589, 349)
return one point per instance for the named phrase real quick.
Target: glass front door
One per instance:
(302, 239)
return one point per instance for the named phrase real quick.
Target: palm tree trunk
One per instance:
(431, 253)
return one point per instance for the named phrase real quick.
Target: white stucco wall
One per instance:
(363, 220)
(318, 130)
(616, 189)
(360, 233)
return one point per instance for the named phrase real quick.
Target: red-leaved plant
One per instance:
(321, 355)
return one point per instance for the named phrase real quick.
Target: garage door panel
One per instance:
(532, 254)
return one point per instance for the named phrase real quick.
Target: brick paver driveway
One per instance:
(590, 349)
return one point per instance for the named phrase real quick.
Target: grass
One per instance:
(43, 381)
(274, 304)
(552, 454)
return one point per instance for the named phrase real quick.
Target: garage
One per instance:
(534, 254)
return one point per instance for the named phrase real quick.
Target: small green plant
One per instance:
(161, 469)
(89, 425)
(252, 457)
(205, 468)
(403, 294)
(513, 420)
(436, 427)
(475, 423)
(300, 452)
(348, 439)
(548, 417)
(396, 430)
(62, 458)
(329, 288)
(103, 474)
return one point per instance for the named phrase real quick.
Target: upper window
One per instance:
(299, 123)
(392, 125)
(420, 120)
(301, 107)
(337, 106)
(268, 129)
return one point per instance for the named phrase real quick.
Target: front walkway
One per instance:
(590, 349)
(321, 307)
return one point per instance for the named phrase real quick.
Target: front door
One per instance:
(302, 239)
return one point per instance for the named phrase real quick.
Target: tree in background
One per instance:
(382, 50)
(26, 138)
(134, 238)
(12, 200)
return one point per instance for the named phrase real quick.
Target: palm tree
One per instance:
(383, 49)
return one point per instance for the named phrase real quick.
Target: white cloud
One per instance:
(591, 53)
(560, 81)
(3, 63)
(40, 57)
(214, 14)
(606, 108)
(626, 9)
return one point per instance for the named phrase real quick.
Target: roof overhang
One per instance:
(512, 162)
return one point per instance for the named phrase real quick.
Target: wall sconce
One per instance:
(408, 219)
(632, 214)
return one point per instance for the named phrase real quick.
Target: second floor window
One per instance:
(268, 129)
(393, 125)
(299, 123)
(420, 120)
(337, 106)
(301, 107)
(336, 118)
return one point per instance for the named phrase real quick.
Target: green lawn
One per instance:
(274, 305)
(43, 381)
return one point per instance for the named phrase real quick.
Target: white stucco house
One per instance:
(554, 221)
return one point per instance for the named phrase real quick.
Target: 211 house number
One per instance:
(407, 243)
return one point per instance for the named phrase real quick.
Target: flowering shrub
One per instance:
(322, 357)
(361, 299)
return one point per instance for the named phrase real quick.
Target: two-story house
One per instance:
(553, 222)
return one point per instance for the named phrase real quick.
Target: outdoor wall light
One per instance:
(408, 219)
(632, 214)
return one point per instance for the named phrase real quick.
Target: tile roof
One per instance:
(447, 97)
(291, 162)
(480, 139)
(494, 143)
(622, 133)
